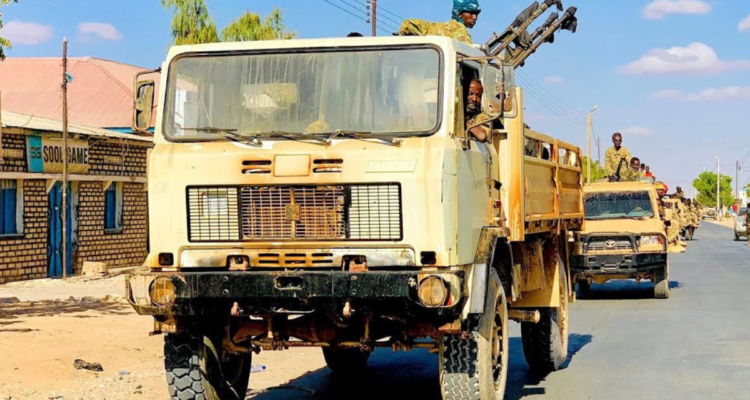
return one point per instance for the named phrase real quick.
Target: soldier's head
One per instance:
(466, 12)
(474, 100)
(354, 34)
(679, 189)
(643, 167)
(688, 201)
(661, 189)
(617, 140)
(648, 168)
(635, 163)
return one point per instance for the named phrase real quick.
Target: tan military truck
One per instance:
(326, 193)
(623, 237)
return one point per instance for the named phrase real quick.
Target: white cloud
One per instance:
(696, 58)
(89, 30)
(667, 94)
(31, 33)
(636, 131)
(745, 24)
(661, 8)
(556, 80)
(710, 94)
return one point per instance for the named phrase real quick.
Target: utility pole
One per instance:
(718, 186)
(590, 125)
(737, 183)
(599, 150)
(374, 18)
(65, 160)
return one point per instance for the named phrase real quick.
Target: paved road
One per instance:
(624, 344)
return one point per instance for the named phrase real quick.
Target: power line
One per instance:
(355, 7)
(346, 11)
(389, 12)
(533, 82)
(551, 106)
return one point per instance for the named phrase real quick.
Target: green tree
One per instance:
(747, 190)
(706, 186)
(191, 23)
(4, 43)
(597, 171)
(250, 27)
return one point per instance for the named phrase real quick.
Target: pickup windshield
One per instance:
(618, 205)
(393, 92)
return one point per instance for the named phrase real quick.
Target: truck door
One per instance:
(474, 160)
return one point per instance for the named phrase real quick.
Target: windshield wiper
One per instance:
(227, 133)
(363, 135)
(296, 136)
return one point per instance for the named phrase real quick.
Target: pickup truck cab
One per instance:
(623, 237)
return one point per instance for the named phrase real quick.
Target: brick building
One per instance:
(108, 211)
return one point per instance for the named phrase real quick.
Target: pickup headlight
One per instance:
(651, 241)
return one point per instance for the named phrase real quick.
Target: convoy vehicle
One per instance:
(709, 212)
(327, 193)
(740, 224)
(623, 237)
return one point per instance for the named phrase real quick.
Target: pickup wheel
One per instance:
(474, 367)
(195, 370)
(345, 360)
(661, 282)
(545, 344)
(736, 237)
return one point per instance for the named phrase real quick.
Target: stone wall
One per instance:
(25, 256)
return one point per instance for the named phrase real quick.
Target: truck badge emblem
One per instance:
(610, 244)
(292, 212)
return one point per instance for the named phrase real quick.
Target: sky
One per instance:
(672, 75)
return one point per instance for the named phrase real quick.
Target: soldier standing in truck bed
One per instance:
(615, 155)
(465, 14)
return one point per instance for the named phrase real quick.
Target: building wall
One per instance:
(121, 248)
(25, 257)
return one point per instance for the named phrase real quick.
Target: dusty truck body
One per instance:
(326, 193)
(623, 237)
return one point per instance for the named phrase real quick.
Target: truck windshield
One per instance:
(617, 205)
(389, 92)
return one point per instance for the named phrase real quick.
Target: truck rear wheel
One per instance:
(345, 360)
(545, 344)
(661, 282)
(196, 369)
(474, 367)
(584, 287)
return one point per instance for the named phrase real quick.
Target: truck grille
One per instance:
(610, 244)
(261, 213)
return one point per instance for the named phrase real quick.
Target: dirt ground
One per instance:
(44, 332)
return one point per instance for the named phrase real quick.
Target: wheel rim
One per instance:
(497, 348)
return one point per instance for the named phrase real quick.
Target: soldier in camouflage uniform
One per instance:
(680, 195)
(616, 155)
(465, 13)
(672, 227)
(474, 114)
(633, 173)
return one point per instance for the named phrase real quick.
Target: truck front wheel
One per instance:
(661, 282)
(196, 369)
(545, 344)
(473, 367)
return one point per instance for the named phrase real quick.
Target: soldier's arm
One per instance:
(609, 163)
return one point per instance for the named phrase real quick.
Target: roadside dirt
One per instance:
(43, 334)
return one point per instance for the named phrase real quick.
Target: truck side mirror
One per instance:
(143, 99)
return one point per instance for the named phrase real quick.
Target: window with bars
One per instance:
(113, 207)
(10, 206)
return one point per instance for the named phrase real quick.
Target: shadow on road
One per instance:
(9, 313)
(406, 376)
(623, 290)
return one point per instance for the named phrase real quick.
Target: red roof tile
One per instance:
(100, 94)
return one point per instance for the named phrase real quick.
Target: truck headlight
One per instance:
(651, 241)
(162, 291)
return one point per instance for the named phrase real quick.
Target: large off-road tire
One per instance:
(545, 344)
(345, 360)
(661, 282)
(476, 368)
(736, 237)
(195, 370)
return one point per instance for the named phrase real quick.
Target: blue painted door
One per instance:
(54, 247)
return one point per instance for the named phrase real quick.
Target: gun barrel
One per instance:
(498, 43)
(569, 16)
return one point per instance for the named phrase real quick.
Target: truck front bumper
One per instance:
(206, 293)
(620, 264)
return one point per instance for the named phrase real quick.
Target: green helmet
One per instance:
(461, 6)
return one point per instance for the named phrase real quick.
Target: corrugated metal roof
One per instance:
(100, 95)
(31, 122)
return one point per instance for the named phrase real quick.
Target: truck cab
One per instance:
(623, 237)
